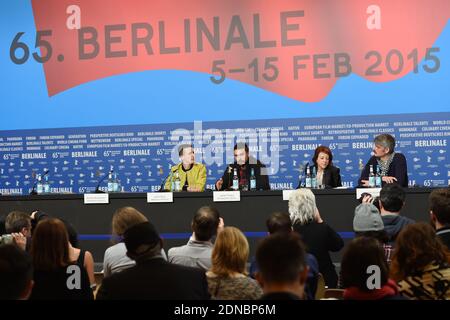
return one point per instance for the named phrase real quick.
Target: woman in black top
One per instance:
(327, 175)
(55, 276)
(318, 237)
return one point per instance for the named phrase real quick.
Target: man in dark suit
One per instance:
(244, 166)
(152, 278)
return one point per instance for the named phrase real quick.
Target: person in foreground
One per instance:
(152, 278)
(282, 267)
(197, 252)
(115, 258)
(359, 281)
(421, 264)
(192, 175)
(439, 201)
(318, 236)
(227, 279)
(16, 273)
(392, 165)
(280, 222)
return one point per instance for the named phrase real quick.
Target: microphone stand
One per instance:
(33, 191)
(97, 189)
(230, 181)
(303, 175)
(161, 188)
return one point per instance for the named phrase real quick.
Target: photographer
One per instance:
(18, 225)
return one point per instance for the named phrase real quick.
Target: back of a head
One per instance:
(302, 206)
(50, 245)
(142, 241)
(392, 197)
(16, 272)
(205, 223)
(367, 218)
(439, 202)
(359, 254)
(279, 222)
(281, 257)
(416, 247)
(125, 218)
(17, 220)
(230, 252)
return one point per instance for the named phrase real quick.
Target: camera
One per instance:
(375, 201)
(6, 239)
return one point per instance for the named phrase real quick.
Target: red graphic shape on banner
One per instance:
(298, 49)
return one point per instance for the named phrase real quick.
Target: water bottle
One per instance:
(314, 178)
(116, 184)
(252, 180)
(308, 180)
(177, 183)
(39, 185)
(110, 182)
(235, 180)
(378, 178)
(46, 185)
(371, 177)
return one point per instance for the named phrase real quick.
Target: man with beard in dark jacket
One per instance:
(245, 166)
(392, 199)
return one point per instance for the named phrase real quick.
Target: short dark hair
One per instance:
(182, 147)
(16, 271)
(281, 257)
(392, 197)
(279, 222)
(205, 223)
(16, 221)
(359, 254)
(439, 201)
(241, 145)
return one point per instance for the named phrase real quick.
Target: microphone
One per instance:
(97, 189)
(230, 180)
(33, 191)
(161, 187)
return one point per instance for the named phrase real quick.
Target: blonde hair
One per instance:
(302, 206)
(124, 218)
(230, 252)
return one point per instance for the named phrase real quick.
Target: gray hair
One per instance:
(385, 140)
(302, 206)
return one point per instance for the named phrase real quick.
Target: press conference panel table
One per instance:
(93, 221)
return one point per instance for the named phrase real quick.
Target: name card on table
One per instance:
(159, 197)
(96, 198)
(287, 194)
(226, 196)
(374, 192)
